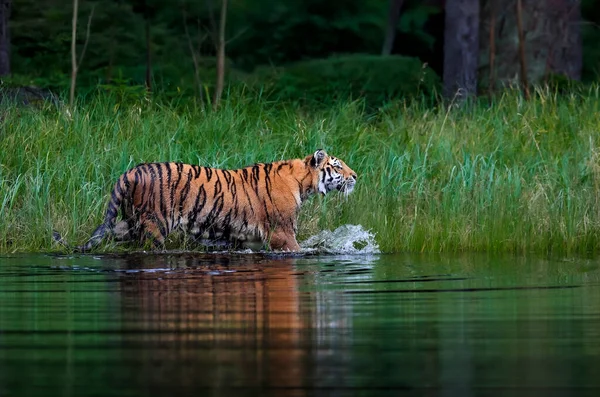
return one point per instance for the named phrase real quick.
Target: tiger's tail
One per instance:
(116, 197)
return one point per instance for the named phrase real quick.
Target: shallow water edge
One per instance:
(256, 324)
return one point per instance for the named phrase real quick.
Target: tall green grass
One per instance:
(510, 176)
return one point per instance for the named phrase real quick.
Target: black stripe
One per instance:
(214, 212)
(136, 180)
(209, 173)
(227, 220)
(197, 171)
(118, 189)
(126, 182)
(144, 195)
(300, 188)
(255, 178)
(227, 176)
(169, 185)
(179, 171)
(305, 177)
(244, 220)
(267, 168)
(218, 186)
(114, 198)
(235, 205)
(232, 187)
(267, 215)
(162, 228)
(199, 203)
(233, 191)
(230, 182)
(151, 192)
(185, 191)
(247, 196)
(171, 189)
(161, 193)
(111, 213)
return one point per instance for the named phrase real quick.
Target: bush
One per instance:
(375, 78)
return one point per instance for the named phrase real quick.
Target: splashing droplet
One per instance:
(346, 239)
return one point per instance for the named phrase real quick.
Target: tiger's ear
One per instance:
(318, 158)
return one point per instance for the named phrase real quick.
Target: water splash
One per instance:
(346, 239)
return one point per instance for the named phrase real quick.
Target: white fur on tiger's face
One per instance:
(334, 174)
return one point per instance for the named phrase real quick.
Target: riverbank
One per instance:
(513, 176)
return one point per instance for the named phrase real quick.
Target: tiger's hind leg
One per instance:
(122, 231)
(150, 229)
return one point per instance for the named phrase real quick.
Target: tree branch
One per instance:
(220, 56)
(492, 54)
(87, 36)
(194, 56)
(390, 33)
(73, 53)
(522, 60)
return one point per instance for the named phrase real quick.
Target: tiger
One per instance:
(255, 204)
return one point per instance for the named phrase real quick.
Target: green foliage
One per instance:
(375, 78)
(413, 21)
(259, 32)
(563, 85)
(41, 41)
(287, 31)
(124, 91)
(517, 176)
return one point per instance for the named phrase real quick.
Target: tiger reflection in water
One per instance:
(228, 320)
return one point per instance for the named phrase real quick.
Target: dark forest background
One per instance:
(300, 48)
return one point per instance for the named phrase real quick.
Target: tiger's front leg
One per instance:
(284, 241)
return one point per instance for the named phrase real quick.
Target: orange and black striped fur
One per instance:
(256, 203)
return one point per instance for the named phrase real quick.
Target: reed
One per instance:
(510, 176)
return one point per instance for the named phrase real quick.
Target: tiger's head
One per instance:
(330, 173)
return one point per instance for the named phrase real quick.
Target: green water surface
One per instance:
(248, 325)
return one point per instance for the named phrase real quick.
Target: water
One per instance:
(248, 325)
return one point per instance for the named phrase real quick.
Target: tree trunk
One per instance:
(220, 57)
(522, 59)
(390, 32)
(73, 53)
(551, 40)
(111, 56)
(461, 48)
(195, 56)
(492, 44)
(4, 38)
(148, 48)
(565, 54)
(148, 58)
